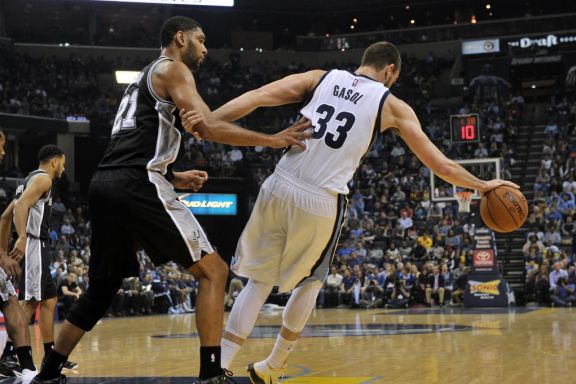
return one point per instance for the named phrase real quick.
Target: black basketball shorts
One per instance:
(132, 209)
(36, 282)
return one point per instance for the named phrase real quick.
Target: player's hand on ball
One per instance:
(491, 184)
(190, 119)
(293, 135)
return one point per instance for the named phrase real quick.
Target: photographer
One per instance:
(562, 295)
(372, 294)
(400, 295)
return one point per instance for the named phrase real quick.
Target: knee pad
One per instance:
(247, 307)
(93, 304)
(300, 306)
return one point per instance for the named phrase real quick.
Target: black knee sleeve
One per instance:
(93, 304)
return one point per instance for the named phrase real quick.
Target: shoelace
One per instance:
(229, 375)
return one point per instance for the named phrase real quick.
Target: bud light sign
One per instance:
(210, 203)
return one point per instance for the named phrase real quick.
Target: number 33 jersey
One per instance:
(345, 113)
(147, 129)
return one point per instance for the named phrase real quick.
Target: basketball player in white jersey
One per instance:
(293, 231)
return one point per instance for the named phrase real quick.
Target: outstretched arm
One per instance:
(290, 89)
(173, 80)
(397, 114)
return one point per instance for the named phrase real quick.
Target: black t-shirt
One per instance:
(71, 287)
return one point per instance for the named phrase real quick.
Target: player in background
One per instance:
(15, 319)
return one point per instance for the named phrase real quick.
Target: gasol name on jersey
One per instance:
(347, 94)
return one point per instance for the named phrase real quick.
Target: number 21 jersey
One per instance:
(147, 130)
(345, 112)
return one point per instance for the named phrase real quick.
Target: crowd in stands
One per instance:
(397, 248)
(551, 240)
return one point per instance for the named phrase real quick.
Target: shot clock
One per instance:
(464, 128)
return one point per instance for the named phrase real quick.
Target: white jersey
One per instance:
(345, 113)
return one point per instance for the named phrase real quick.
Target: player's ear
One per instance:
(180, 38)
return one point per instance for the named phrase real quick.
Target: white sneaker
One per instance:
(28, 376)
(172, 311)
(262, 373)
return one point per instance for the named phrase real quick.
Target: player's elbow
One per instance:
(18, 205)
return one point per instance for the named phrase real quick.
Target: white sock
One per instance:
(282, 349)
(229, 351)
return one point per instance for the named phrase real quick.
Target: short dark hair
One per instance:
(381, 54)
(173, 25)
(49, 152)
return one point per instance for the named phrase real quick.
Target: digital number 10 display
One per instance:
(464, 128)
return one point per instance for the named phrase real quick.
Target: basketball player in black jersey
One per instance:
(30, 211)
(133, 203)
(16, 320)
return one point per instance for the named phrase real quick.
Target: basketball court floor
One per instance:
(456, 346)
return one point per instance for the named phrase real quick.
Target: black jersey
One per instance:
(38, 224)
(147, 129)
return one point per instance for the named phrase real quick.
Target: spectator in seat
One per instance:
(562, 295)
(556, 274)
(435, 285)
(234, 288)
(147, 294)
(543, 286)
(68, 292)
(393, 253)
(448, 281)
(533, 243)
(460, 287)
(329, 295)
(405, 221)
(346, 293)
(372, 295)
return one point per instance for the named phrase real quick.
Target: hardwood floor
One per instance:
(460, 346)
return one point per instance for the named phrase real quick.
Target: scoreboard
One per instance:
(464, 128)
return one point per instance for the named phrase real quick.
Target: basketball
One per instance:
(504, 209)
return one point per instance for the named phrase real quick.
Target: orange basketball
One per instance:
(504, 209)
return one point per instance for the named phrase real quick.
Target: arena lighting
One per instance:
(126, 77)
(218, 3)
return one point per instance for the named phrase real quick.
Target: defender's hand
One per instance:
(190, 119)
(293, 135)
(19, 249)
(10, 266)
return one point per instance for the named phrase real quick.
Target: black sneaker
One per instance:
(70, 365)
(9, 366)
(225, 378)
(59, 380)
